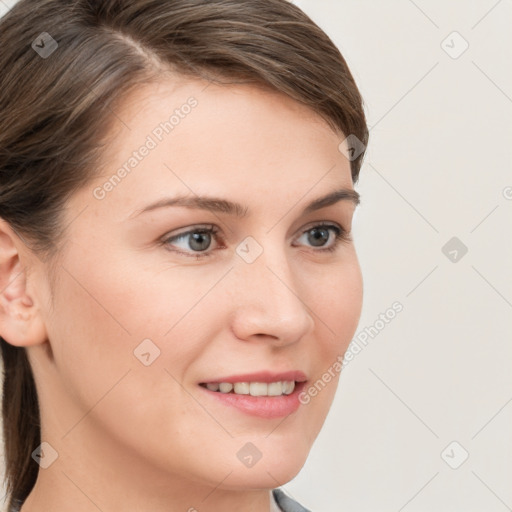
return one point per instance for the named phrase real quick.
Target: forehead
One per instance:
(191, 136)
(218, 109)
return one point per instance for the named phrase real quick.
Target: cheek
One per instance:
(336, 304)
(102, 314)
(337, 311)
(91, 342)
(347, 303)
(104, 311)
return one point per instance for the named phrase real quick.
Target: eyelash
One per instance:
(341, 236)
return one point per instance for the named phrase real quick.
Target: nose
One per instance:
(269, 302)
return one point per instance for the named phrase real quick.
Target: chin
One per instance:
(278, 465)
(264, 476)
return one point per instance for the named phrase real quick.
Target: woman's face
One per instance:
(149, 306)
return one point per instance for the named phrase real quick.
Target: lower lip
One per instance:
(262, 406)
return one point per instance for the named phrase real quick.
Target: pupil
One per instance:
(318, 235)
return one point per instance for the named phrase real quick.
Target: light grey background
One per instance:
(438, 166)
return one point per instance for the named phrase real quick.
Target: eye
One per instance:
(326, 236)
(196, 242)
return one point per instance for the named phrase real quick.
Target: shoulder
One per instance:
(287, 504)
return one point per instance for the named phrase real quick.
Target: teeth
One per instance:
(288, 387)
(225, 387)
(275, 388)
(254, 388)
(258, 388)
(241, 388)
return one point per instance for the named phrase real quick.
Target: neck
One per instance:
(92, 474)
(83, 493)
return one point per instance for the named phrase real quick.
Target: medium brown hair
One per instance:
(57, 109)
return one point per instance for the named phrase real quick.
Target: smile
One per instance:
(253, 388)
(264, 394)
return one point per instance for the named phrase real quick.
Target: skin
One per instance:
(132, 437)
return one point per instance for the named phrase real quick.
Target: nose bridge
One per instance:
(267, 301)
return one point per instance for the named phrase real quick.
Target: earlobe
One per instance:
(21, 323)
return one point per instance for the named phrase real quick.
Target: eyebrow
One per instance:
(219, 205)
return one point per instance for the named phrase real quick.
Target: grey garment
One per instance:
(286, 504)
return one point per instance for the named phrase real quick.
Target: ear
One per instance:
(21, 323)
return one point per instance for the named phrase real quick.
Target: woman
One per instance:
(176, 268)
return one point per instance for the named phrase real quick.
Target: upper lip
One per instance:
(264, 376)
